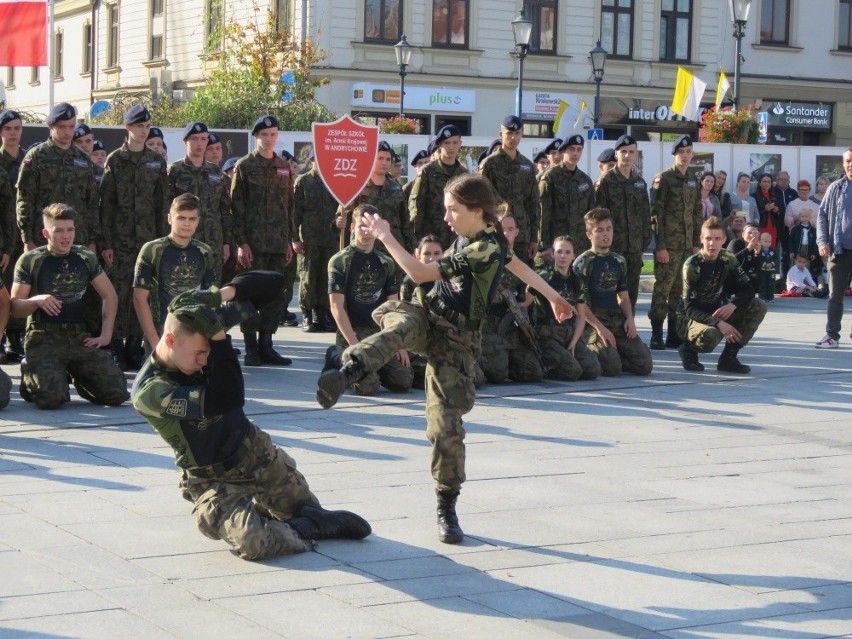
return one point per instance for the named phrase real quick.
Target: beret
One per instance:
(136, 115)
(62, 111)
(193, 128)
(80, 130)
(512, 123)
(264, 122)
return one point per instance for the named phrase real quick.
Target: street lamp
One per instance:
(522, 30)
(739, 14)
(597, 57)
(403, 57)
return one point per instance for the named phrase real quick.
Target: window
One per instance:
(675, 30)
(88, 50)
(543, 16)
(449, 23)
(58, 52)
(617, 27)
(157, 7)
(112, 36)
(844, 27)
(382, 21)
(775, 22)
(156, 47)
(284, 16)
(213, 26)
(10, 77)
(156, 30)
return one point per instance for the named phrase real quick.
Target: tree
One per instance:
(254, 61)
(164, 112)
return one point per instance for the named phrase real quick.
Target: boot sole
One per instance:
(330, 386)
(451, 539)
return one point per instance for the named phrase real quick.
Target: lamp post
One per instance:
(739, 14)
(522, 30)
(403, 57)
(597, 57)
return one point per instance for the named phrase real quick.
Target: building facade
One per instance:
(797, 59)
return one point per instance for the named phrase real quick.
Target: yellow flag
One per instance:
(581, 113)
(687, 94)
(722, 88)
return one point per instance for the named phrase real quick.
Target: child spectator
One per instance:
(766, 285)
(799, 279)
(803, 242)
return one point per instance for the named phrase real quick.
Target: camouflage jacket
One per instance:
(707, 285)
(133, 199)
(390, 201)
(515, 183)
(262, 202)
(565, 198)
(12, 165)
(48, 175)
(207, 183)
(8, 228)
(314, 211)
(627, 200)
(676, 212)
(426, 202)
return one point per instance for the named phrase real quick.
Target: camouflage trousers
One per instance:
(393, 375)
(313, 276)
(704, 338)
(505, 354)
(121, 276)
(450, 393)
(554, 341)
(629, 354)
(634, 274)
(248, 505)
(493, 357)
(668, 285)
(269, 314)
(8, 275)
(5, 389)
(55, 351)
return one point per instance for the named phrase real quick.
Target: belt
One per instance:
(58, 326)
(454, 317)
(215, 471)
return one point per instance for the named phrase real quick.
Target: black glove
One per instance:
(259, 287)
(210, 297)
(200, 317)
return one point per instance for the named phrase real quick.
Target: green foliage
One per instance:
(164, 113)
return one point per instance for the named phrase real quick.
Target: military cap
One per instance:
(512, 123)
(553, 146)
(541, 155)
(682, 142)
(287, 155)
(421, 155)
(80, 130)
(624, 140)
(572, 140)
(62, 111)
(264, 122)
(607, 155)
(97, 145)
(384, 146)
(136, 114)
(192, 128)
(395, 157)
(8, 116)
(446, 132)
(433, 146)
(494, 144)
(229, 164)
(155, 132)
(212, 138)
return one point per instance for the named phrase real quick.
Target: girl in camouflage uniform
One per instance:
(444, 326)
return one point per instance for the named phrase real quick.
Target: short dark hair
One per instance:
(363, 209)
(429, 239)
(58, 211)
(596, 216)
(185, 202)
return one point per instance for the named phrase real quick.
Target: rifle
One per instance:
(522, 320)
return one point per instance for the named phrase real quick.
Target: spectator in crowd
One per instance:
(734, 225)
(799, 280)
(768, 268)
(802, 203)
(803, 243)
(721, 194)
(820, 187)
(742, 200)
(709, 202)
(747, 251)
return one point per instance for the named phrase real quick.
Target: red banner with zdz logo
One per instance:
(345, 152)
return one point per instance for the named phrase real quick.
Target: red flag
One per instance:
(24, 40)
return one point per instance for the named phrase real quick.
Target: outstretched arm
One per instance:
(562, 310)
(416, 270)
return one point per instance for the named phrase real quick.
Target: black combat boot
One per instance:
(308, 321)
(332, 383)
(332, 359)
(729, 363)
(325, 320)
(315, 523)
(449, 531)
(252, 356)
(673, 339)
(268, 354)
(134, 353)
(14, 346)
(116, 347)
(289, 319)
(689, 358)
(657, 343)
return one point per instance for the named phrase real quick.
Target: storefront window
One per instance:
(775, 22)
(543, 15)
(382, 20)
(617, 27)
(449, 23)
(844, 26)
(675, 30)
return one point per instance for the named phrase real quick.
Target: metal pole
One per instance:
(739, 32)
(597, 100)
(402, 75)
(304, 29)
(520, 97)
